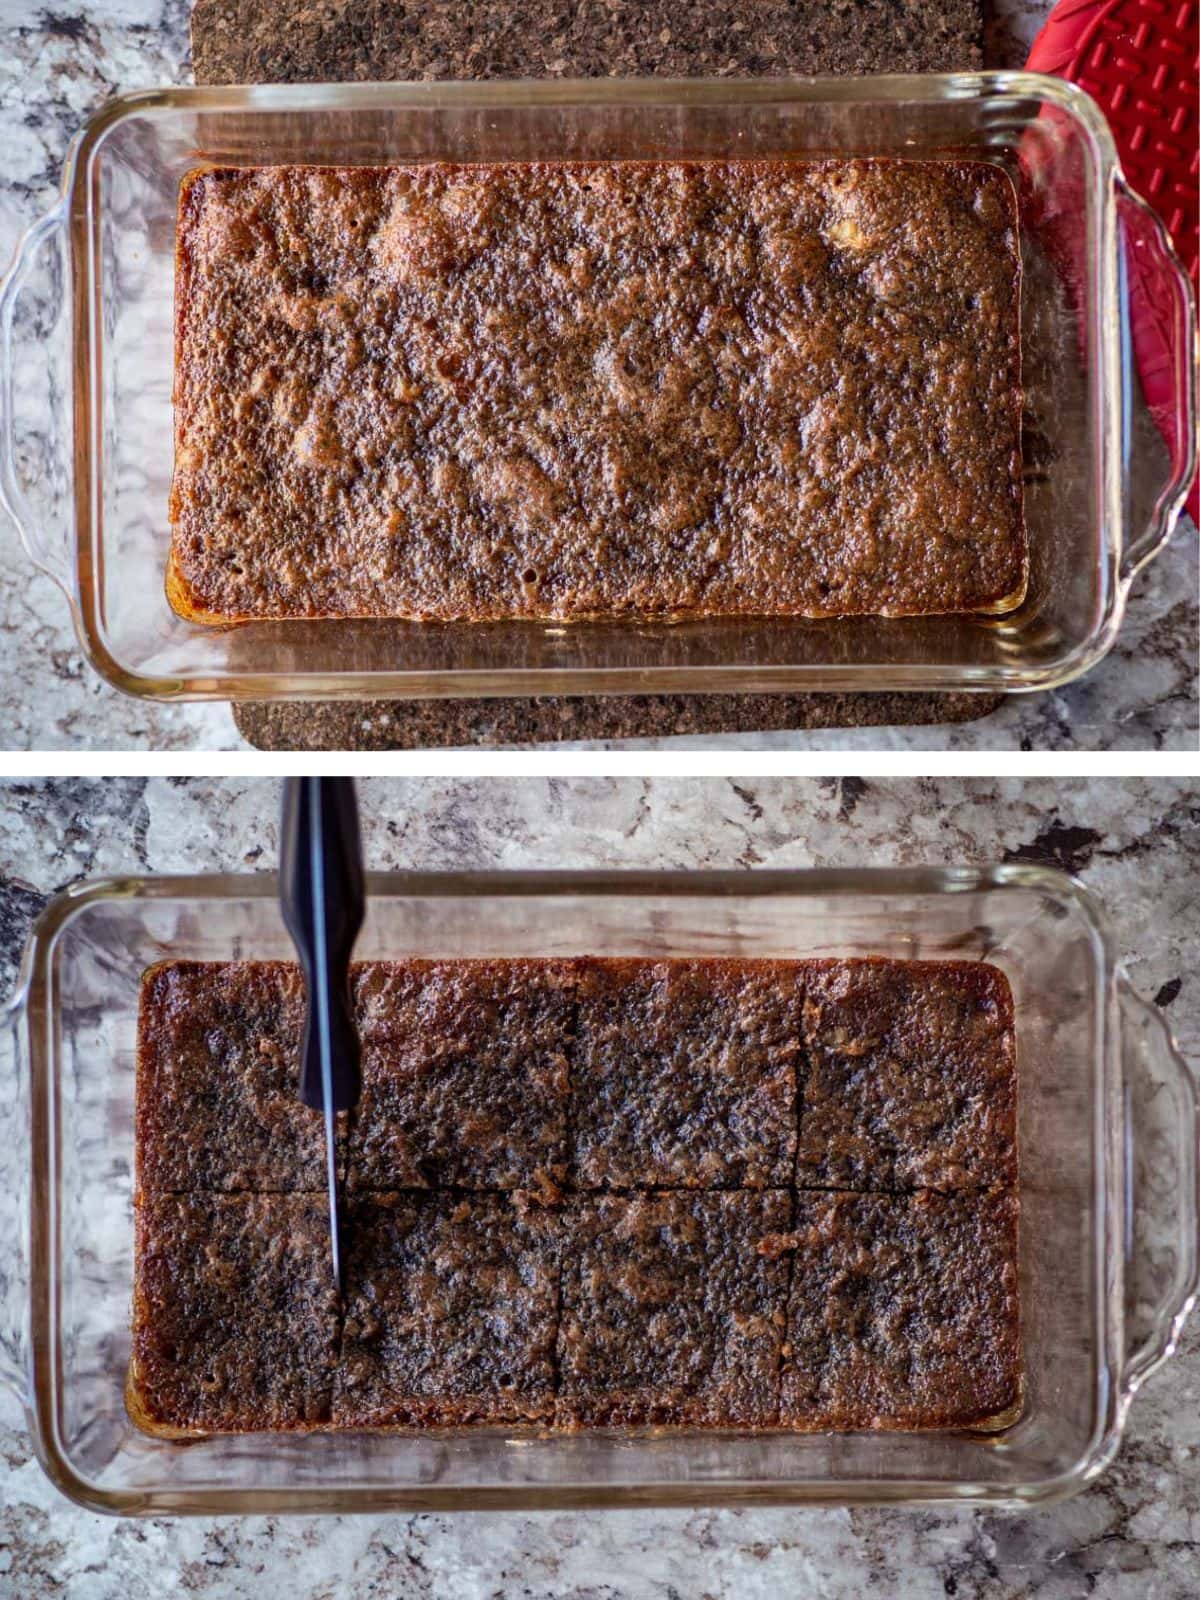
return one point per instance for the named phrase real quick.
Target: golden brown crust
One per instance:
(235, 1316)
(451, 1311)
(910, 1077)
(559, 391)
(464, 1075)
(587, 1294)
(217, 1101)
(672, 1314)
(683, 1073)
(903, 1312)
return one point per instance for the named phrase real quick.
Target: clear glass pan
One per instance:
(86, 319)
(1108, 1151)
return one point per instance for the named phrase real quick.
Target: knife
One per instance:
(322, 899)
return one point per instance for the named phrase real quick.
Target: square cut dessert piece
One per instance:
(910, 1076)
(684, 1074)
(464, 1074)
(218, 1080)
(672, 1309)
(903, 1312)
(561, 390)
(450, 1312)
(235, 1322)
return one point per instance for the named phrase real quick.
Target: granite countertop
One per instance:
(1134, 1536)
(58, 63)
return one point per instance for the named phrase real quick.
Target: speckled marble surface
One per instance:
(1134, 1536)
(59, 62)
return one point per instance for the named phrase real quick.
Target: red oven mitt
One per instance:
(1140, 62)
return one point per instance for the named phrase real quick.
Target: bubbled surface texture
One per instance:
(910, 1078)
(569, 390)
(451, 1311)
(684, 1073)
(583, 1192)
(445, 1045)
(218, 1085)
(903, 1311)
(671, 1312)
(235, 1314)
(260, 41)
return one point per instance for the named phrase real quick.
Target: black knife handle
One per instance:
(345, 1055)
(322, 897)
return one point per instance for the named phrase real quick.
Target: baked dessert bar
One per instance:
(671, 1313)
(684, 1073)
(464, 1074)
(451, 1311)
(236, 1322)
(910, 1076)
(563, 390)
(583, 1193)
(218, 1103)
(903, 1312)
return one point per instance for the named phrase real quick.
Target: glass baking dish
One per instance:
(86, 319)
(1108, 1156)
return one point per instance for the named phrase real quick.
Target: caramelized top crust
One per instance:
(218, 1083)
(911, 1076)
(903, 1311)
(464, 1074)
(672, 1313)
(560, 390)
(597, 1073)
(451, 1311)
(235, 1320)
(613, 1202)
(684, 1073)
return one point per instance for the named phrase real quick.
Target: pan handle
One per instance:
(1161, 326)
(14, 1201)
(36, 399)
(1161, 1197)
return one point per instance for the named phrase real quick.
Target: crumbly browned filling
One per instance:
(567, 390)
(583, 1193)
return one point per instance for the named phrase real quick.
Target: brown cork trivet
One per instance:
(297, 41)
(335, 41)
(430, 724)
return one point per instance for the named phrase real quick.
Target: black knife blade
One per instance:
(322, 898)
